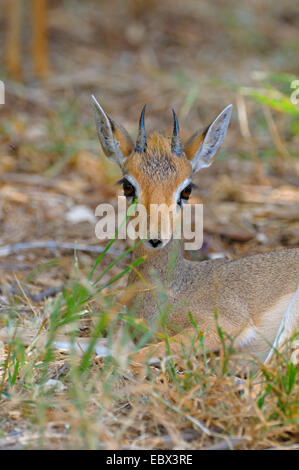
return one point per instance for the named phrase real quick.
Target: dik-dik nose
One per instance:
(155, 243)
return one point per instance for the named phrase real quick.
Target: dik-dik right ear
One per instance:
(115, 141)
(201, 148)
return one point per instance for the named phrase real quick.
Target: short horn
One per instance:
(141, 138)
(176, 141)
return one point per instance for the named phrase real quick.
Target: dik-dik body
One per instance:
(256, 298)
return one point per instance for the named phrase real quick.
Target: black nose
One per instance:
(155, 243)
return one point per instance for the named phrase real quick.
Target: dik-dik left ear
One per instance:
(201, 148)
(115, 141)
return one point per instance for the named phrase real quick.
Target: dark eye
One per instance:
(129, 189)
(185, 194)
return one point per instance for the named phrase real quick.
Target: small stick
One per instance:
(29, 178)
(7, 250)
(16, 267)
(226, 445)
(61, 343)
(38, 297)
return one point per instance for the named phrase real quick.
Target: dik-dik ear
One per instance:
(201, 148)
(115, 141)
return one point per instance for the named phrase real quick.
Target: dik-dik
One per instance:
(256, 298)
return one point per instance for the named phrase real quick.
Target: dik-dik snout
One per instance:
(162, 211)
(162, 221)
(157, 171)
(155, 243)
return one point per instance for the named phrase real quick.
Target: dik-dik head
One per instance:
(156, 170)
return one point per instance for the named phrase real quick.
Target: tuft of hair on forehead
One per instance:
(158, 145)
(158, 162)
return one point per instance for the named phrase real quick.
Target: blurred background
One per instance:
(196, 56)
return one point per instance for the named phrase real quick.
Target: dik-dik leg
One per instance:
(13, 38)
(39, 40)
(187, 339)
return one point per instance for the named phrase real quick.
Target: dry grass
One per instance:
(72, 400)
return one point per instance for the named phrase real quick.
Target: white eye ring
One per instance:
(177, 195)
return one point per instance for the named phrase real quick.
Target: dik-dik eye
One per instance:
(185, 194)
(129, 190)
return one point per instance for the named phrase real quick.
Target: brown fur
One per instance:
(158, 163)
(193, 144)
(126, 144)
